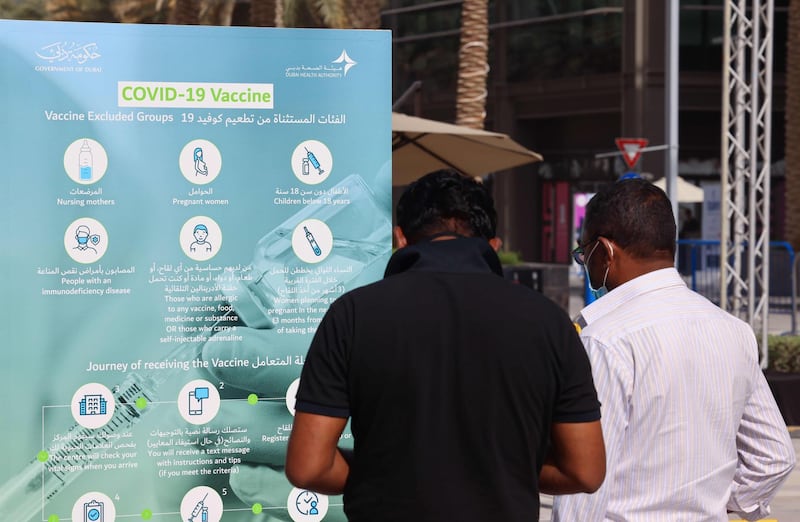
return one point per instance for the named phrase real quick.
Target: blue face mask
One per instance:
(603, 290)
(82, 240)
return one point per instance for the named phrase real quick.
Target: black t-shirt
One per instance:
(452, 376)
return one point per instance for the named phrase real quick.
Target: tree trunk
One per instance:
(263, 13)
(185, 12)
(216, 12)
(792, 147)
(134, 11)
(473, 65)
(63, 10)
(336, 14)
(363, 15)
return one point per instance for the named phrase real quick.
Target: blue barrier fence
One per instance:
(699, 263)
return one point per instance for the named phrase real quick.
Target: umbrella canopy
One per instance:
(420, 146)
(687, 192)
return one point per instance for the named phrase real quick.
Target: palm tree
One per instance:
(362, 14)
(217, 12)
(136, 11)
(473, 65)
(31, 10)
(128, 11)
(793, 127)
(335, 14)
(63, 10)
(266, 13)
(185, 12)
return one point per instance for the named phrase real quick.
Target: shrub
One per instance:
(784, 353)
(509, 257)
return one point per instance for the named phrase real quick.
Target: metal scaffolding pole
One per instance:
(745, 163)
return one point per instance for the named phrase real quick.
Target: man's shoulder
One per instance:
(483, 287)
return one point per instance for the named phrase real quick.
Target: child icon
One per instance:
(200, 238)
(200, 234)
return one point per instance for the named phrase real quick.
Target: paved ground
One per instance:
(786, 505)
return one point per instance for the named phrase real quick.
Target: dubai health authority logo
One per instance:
(348, 62)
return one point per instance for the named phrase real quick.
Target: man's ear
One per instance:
(609, 248)
(496, 243)
(399, 237)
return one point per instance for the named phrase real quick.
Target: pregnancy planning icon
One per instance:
(85, 161)
(312, 240)
(312, 162)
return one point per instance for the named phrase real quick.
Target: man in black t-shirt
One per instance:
(455, 380)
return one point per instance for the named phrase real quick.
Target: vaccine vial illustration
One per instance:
(85, 162)
(200, 509)
(361, 231)
(201, 504)
(312, 162)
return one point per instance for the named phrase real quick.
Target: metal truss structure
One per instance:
(745, 163)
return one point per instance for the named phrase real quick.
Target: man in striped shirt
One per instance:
(691, 428)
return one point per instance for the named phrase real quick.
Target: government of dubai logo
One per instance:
(348, 62)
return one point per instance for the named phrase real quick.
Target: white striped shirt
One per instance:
(690, 425)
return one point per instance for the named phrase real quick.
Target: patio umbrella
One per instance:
(687, 192)
(420, 146)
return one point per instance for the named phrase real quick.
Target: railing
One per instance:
(699, 263)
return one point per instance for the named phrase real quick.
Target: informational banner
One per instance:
(180, 206)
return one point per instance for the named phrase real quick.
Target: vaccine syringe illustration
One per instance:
(25, 495)
(314, 161)
(200, 509)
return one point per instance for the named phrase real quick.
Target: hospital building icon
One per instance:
(92, 405)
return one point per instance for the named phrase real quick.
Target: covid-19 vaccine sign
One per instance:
(180, 205)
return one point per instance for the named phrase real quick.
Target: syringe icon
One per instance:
(200, 509)
(314, 161)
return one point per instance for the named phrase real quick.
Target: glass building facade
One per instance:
(568, 77)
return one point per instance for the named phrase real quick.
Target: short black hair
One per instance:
(636, 215)
(446, 201)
